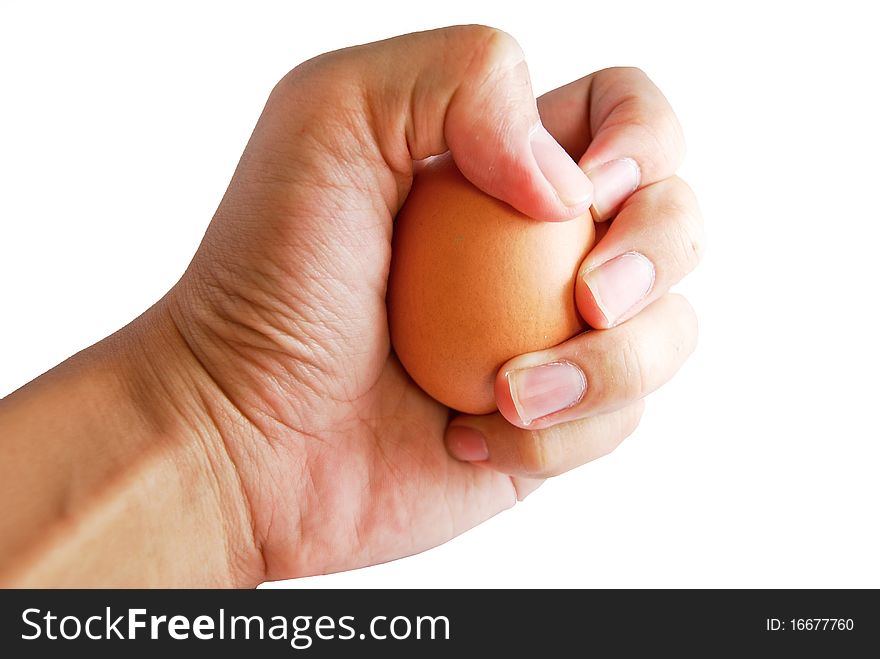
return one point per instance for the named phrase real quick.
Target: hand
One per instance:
(344, 464)
(271, 355)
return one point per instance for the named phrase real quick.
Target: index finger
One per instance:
(620, 127)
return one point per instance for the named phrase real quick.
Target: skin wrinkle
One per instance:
(589, 100)
(615, 83)
(243, 409)
(219, 427)
(604, 111)
(336, 108)
(344, 509)
(307, 492)
(452, 529)
(388, 464)
(497, 78)
(482, 58)
(651, 142)
(534, 454)
(249, 354)
(349, 231)
(635, 377)
(363, 517)
(385, 119)
(219, 484)
(325, 293)
(685, 240)
(279, 336)
(180, 404)
(269, 380)
(661, 134)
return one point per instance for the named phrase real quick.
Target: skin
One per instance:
(254, 424)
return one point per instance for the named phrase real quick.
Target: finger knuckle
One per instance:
(625, 76)
(633, 379)
(681, 328)
(693, 239)
(627, 422)
(641, 106)
(324, 103)
(621, 425)
(661, 135)
(635, 418)
(487, 50)
(303, 74)
(330, 78)
(686, 232)
(693, 213)
(688, 328)
(631, 73)
(536, 454)
(606, 448)
(614, 369)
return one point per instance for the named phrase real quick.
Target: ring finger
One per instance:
(598, 371)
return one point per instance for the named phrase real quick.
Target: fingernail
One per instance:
(466, 444)
(542, 390)
(620, 284)
(613, 182)
(563, 173)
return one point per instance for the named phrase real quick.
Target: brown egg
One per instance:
(474, 282)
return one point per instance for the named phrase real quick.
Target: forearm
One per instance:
(113, 472)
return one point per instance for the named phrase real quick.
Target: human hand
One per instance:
(341, 456)
(298, 440)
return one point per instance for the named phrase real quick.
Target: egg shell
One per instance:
(474, 282)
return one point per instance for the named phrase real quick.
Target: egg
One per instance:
(473, 283)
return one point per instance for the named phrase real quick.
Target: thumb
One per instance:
(493, 130)
(465, 89)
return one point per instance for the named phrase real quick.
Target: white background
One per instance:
(757, 466)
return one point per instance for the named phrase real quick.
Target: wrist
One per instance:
(116, 473)
(180, 405)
